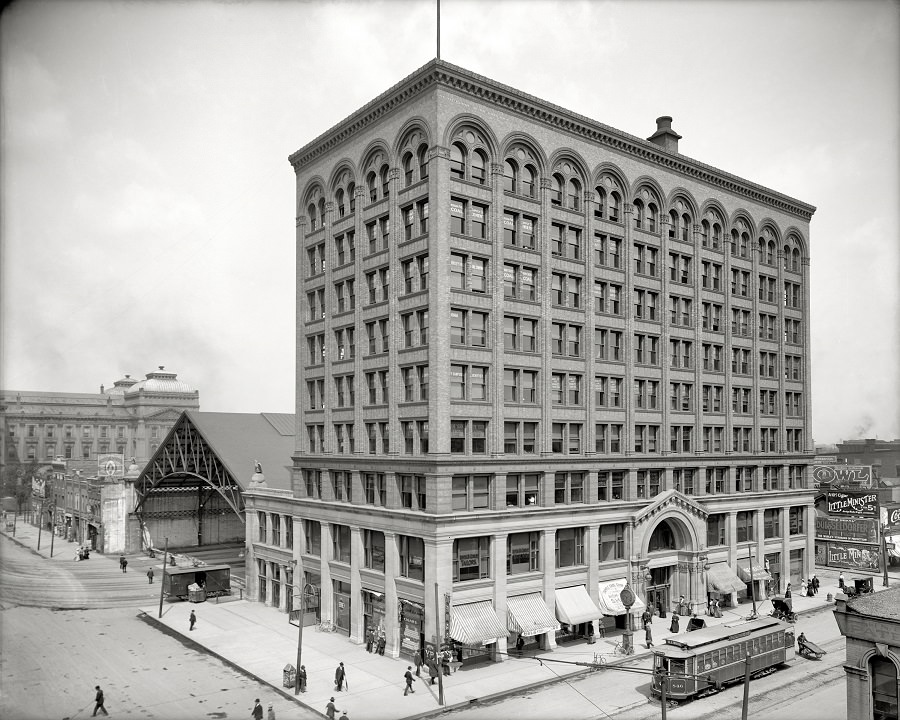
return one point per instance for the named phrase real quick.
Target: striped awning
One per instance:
(574, 605)
(610, 601)
(529, 615)
(475, 623)
(720, 578)
(759, 571)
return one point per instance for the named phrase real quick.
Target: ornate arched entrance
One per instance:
(670, 539)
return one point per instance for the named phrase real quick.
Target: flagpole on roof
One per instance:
(438, 29)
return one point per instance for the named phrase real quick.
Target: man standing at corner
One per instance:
(257, 711)
(150, 576)
(98, 700)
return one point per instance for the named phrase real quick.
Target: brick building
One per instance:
(537, 357)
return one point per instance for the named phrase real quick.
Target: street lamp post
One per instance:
(884, 559)
(627, 597)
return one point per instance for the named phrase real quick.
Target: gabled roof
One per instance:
(241, 439)
(668, 500)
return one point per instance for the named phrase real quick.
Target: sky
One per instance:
(148, 211)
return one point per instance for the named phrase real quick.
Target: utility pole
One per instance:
(162, 585)
(438, 615)
(299, 624)
(884, 559)
(52, 528)
(746, 701)
(40, 522)
(753, 616)
(438, 29)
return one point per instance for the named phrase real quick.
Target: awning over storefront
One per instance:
(529, 615)
(720, 578)
(475, 623)
(574, 605)
(759, 571)
(610, 602)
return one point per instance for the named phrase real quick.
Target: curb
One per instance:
(162, 627)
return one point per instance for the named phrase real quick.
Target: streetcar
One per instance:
(213, 579)
(702, 662)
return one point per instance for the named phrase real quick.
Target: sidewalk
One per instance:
(260, 641)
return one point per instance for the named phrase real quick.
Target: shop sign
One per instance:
(847, 528)
(858, 503)
(853, 556)
(842, 476)
(890, 518)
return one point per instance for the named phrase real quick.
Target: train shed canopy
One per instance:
(210, 453)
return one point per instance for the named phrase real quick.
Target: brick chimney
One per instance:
(665, 136)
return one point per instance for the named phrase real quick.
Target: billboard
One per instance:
(850, 555)
(890, 518)
(855, 503)
(38, 485)
(858, 476)
(847, 528)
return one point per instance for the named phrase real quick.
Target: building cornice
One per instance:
(464, 82)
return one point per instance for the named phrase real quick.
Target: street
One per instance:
(803, 690)
(69, 626)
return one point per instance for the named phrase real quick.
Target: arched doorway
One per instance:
(669, 563)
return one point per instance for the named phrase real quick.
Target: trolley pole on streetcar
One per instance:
(162, 585)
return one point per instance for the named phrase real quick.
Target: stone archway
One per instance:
(669, 544)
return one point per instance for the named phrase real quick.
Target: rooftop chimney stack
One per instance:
(665, 136)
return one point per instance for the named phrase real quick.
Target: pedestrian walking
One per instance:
(445, 661)
(787, 591)
(257, 711)
(417, 659)
(841, 581)
(193, 619)
(381, 643)
(330, 709)
(150, 576)
(270, 713)
(408, 676)
(520, 644)
(716, 611)
(302, 675)
(815, 585)
(648, 636)
(673, 626)
(370, 639)
(124, 564)
(339, 675)
(98, 701)
(432, 669)
(646, 618)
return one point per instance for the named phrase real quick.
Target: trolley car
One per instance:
(214, 579)
(702, 662)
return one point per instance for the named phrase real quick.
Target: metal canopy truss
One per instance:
(185, 463)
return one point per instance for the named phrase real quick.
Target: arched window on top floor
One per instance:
(770, 252)
(673, 224)
(528, 181)
(372, 186)
(885, 703)
(652, 216)
(704, 233)
(311, 212)
(615, 207)
(339, 201)
(795, 260)
(385, 181)
(457, 161)
(716, 236)
(510, 176)
(574, 194)
(556, 190)
(477, 171)
(423, 161)
(638, 215)
(351, 195)
(408, 169)
(599, 203)
(686, 227)
(322, 212)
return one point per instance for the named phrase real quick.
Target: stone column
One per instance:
(548, 564)
(498, 572)
(391, 604)
(326, 591)
(357, 561)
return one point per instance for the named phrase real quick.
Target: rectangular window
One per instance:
(340, 540)
(412, 557)
(744, 526)
(468, 327)
(471, 559)
(569, 547)
(611, 542)
(312, 535)
(373, 548)
(523, 553)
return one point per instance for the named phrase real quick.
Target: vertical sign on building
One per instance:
(446, 617)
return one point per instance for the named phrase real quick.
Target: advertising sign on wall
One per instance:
(853, 556)
(855, 503)
(853, 529)
(842, 475)
(890, 517)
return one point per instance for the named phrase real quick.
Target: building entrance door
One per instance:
(659, 590)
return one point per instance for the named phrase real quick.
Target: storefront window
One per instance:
(471, 558)
(523, 553)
